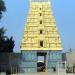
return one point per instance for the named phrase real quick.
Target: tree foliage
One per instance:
(2, 7)
(6, 44)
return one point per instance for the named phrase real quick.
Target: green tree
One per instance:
(2, 8)
(6, 44)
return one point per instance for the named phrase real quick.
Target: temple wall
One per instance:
(29, 62)
(30, 58)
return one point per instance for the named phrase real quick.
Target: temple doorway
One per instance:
(41, 62)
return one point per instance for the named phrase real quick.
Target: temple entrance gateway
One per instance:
(41, 62)
(41, 43)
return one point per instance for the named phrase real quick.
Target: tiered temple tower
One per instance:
(41, 31)
(40, 39)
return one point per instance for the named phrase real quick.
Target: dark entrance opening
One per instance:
(54, 69)
(41, 43)
(41, 62)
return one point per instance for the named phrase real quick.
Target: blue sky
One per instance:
(14, 20)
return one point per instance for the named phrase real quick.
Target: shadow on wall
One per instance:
(8, 62)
